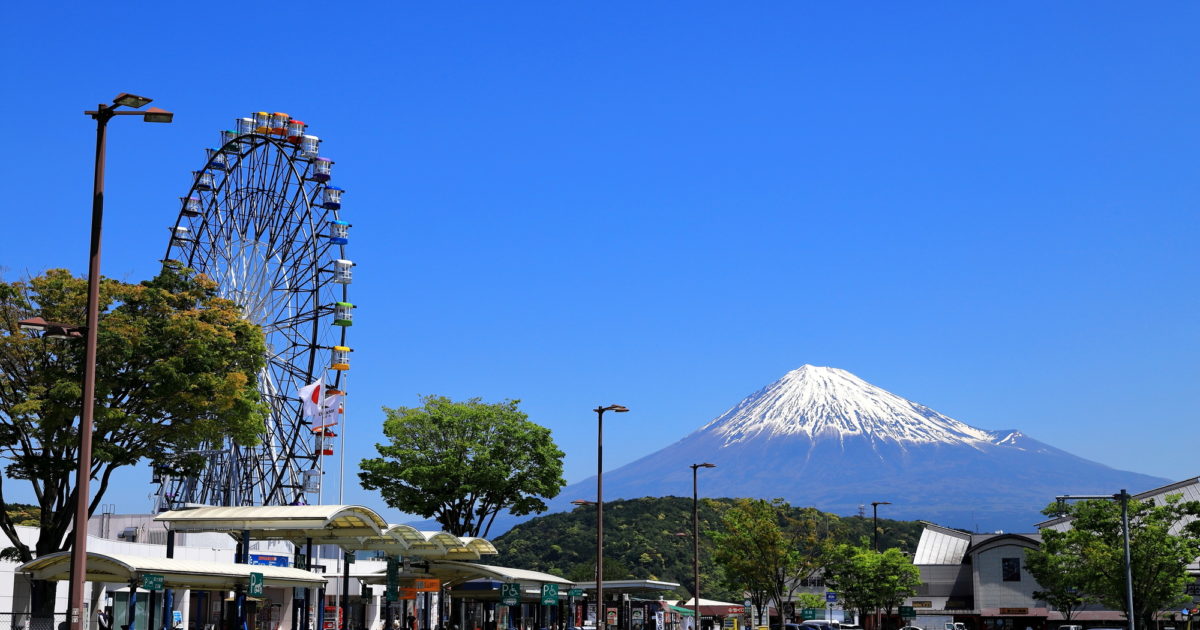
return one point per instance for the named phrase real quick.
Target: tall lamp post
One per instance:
(875, 521)
(696, 539)
(1123, 497)
(102, 114)
(601, 618)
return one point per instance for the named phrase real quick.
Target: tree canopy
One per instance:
(1164, 536)
(461, 463)
(176, 366)
(867, 580)
(767, 547)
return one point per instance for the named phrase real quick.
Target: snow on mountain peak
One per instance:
(824, 401)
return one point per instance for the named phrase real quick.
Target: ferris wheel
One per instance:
(263, 221)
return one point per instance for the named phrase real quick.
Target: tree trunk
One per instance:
(41, 595)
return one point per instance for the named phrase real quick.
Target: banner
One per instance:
(331, 413)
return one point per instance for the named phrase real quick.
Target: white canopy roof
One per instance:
(455, 572)
(123, 568)
(350, 527)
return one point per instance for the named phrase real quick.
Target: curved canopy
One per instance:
(455, 572)
(351, 527)
(123, 568)
(278, 521)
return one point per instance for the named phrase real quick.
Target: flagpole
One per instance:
(342, 420)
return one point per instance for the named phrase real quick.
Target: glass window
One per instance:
(1010, 569)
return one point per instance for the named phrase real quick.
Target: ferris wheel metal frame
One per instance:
(262, 220)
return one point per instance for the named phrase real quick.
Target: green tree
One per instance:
(868, 580)
(767, 547)
(176, 366)
(1164, 537)
(461, 463)
(1058, 573)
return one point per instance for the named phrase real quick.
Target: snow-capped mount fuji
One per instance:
(823, 437)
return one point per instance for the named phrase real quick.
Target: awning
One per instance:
(453, 572)
(177, 573)
(351, 527)
(684, 611)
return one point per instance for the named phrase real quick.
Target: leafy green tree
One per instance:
(176, 367)
(1163, 538)
(809, 600)
(868, 580)
(1058, 573)
(461, 463)
(767, 547)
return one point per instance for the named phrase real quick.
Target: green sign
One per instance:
(575, 592)
(152, 582)
(811, 613)
(907, 612)
(392, 592)
(549, 594)
(510, 594)
(301, 561)
(256, 585)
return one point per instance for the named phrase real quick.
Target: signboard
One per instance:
(349, 557)
(177, 617)
(907, 612)
(393, 579)
(152, 581)
(407, 594)
(922, 603)
(610, 616)
(810, 613)
(830, 597)
(575, 592)
(510, 594)
(427, 585)
(256, 585)
(269, 560)
(1192, 589)
(549, 594)
(729, 622)
(1014, 611)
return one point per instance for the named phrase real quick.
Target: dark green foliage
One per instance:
(641, 535)
(463, 462)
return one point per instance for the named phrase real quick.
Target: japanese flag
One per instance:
(311, 396)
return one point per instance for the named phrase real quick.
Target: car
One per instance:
(911, 628)
(819, 624)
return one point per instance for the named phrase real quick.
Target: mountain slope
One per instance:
(823, 437)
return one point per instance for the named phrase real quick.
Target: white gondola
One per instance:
(180, 233)
(310, 146)
(245, 126)
(343, 271)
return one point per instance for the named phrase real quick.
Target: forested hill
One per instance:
(641, 540)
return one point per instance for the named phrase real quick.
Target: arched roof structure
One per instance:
(124, 568)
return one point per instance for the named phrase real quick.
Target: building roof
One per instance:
(941, 545)
(124, 568)
(629, 585)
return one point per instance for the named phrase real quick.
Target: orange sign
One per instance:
(426, 585)
(406, 593)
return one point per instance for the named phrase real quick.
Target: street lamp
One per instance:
(601, 620)
(1123, 497)
(696, 539)
(875, 521)
(102, 114)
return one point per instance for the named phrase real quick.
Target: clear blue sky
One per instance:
(986, 208)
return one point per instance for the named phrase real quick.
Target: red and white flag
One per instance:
(311, 396)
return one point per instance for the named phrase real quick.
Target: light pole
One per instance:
(875, 521)
(601, 618)
(696, 539)
(1123, 497)
(102, 114)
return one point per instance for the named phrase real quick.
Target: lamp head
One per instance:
(157, 115)
(881, 503)
(33, 323)
(131, 100)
